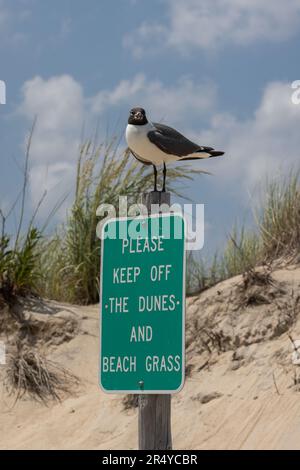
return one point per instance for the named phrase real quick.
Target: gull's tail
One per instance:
(203, 152)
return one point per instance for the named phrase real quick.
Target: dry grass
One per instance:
(130, 402)
(279, 223)
(276, 238)
(71, 259)
(30, 373)
(19, 254)
(65, 266)
(254, 277)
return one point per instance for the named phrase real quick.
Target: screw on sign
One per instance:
(142, 305)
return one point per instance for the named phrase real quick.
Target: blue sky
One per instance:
(219, 70)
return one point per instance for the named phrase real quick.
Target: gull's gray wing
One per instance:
(172, 142)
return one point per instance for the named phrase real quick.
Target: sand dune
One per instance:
(241, 391)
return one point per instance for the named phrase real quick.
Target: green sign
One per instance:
(142, 304)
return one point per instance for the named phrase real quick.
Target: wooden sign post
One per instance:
(155, 431)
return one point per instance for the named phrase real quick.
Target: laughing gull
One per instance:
(157, 144)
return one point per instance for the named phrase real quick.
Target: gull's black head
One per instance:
(137, 116)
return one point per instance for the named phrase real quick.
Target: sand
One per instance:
(240, 392)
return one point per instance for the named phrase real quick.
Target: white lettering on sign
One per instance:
(162, 363)
(118, 304)
(142, 306)
(119, 364)
(126, 275)
(141, 334)
(153, 303)
(160, 272)
(142, 245)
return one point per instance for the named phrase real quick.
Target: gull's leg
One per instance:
(164, 180)
(155, 178)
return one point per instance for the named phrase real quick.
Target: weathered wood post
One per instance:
(155, 410)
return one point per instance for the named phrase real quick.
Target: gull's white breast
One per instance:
(138, 142)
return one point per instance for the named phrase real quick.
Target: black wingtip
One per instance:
(216, 153)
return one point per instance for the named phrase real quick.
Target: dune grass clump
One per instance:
(241, 254)
(130, 402)
(277, 233)
(276, 237)
(19, 254)
(279, 223)
(19, 265)
(65, 266)
(71, 258)
(30, 373)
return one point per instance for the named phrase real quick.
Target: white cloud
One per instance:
(12, 19)
(259, 145)
(145, 39)
(4, 16)
(57, 180)
(58, 104)
(123, 92)
(66, 27)
(209, 24)
(184, 100)
(264, 145)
